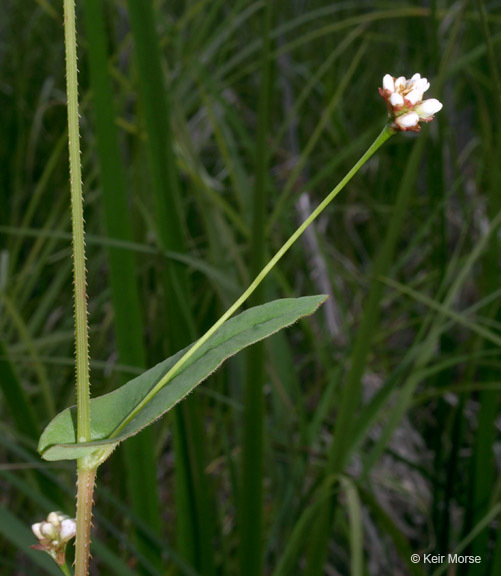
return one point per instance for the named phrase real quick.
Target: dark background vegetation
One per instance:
(381, 429)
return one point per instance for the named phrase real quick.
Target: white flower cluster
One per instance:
(53, 535)
(404, 99)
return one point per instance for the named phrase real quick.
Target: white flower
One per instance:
(49, 531)
(414, 96)
(37, 530)
(428, 108)
(68, 529)
(56, 518)
(404, 99)
(389, 83)
(407, 121)
(396, 100)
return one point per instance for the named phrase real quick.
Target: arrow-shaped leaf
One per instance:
(127, 410)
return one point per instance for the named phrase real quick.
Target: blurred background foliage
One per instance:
(209, 130)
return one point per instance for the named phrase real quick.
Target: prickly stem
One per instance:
(85, 492)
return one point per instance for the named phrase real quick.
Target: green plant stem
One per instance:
(378, 142)
(86, 477)
(80, 287)
(65, 569)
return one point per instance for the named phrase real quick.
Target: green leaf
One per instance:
(124, 412)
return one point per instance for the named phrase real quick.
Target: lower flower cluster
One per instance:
(53, 534)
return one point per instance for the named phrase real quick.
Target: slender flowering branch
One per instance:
(386, 133)
(408, 101)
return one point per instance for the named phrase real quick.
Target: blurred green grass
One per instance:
(380, 414)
